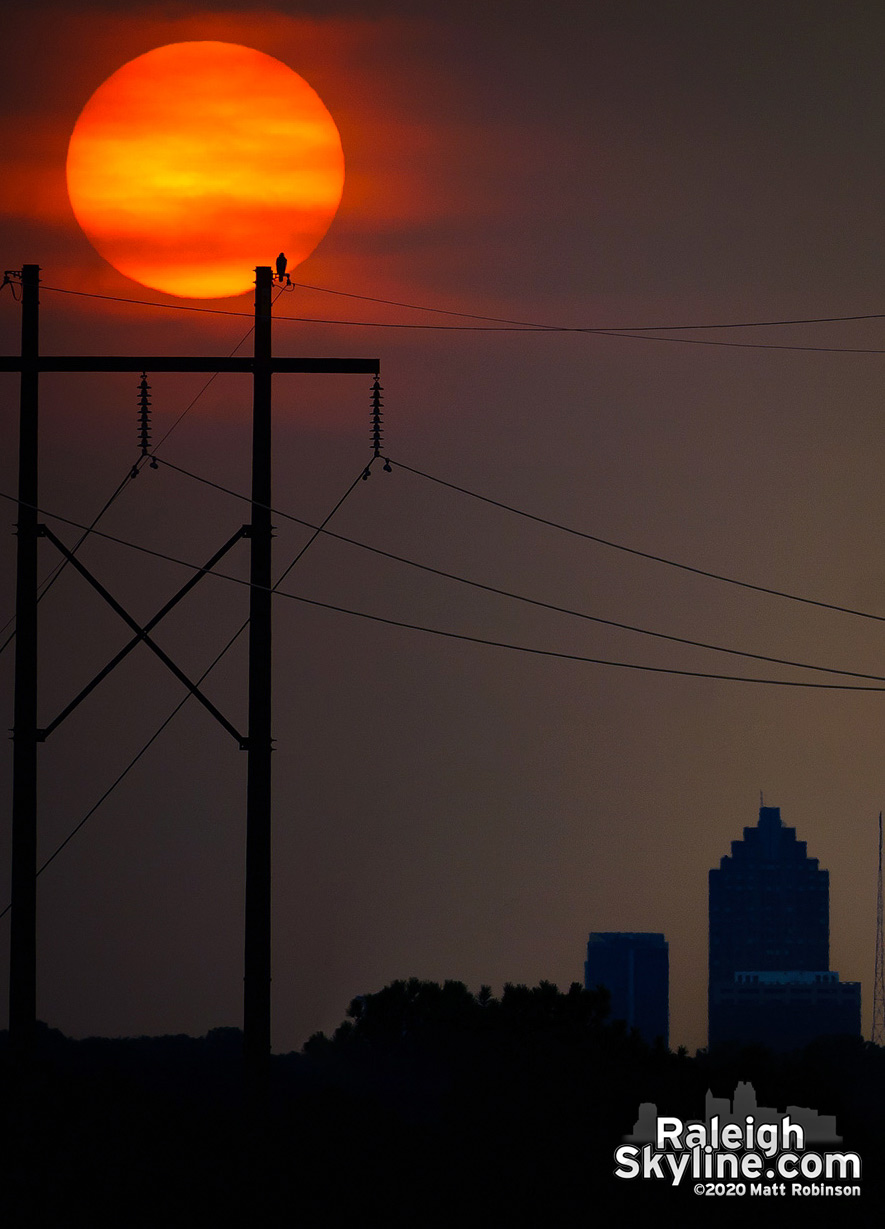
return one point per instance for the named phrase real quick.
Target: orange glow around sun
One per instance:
(196, 162)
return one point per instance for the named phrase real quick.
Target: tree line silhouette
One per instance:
(429, 1105)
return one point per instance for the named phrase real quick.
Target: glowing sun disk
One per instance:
(196, 162)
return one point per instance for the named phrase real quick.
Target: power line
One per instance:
(144, 550)
(580, 614)
(527, 324)
(153, 738)
(187, 409)
(173, 307)
(129, 766)
(632, 550)
(458, 635)
(55, 572)
(736, 345)
(527, 327)
(597, 661)
(630, 328)
(131, 473)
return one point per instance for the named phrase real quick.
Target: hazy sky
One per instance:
(445, 809)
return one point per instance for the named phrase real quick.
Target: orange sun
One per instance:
(196, 162)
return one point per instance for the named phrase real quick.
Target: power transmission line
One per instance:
(630, 328)
(578, 657)
(54, 574)
(153, 738)
(190, 405)
(487, 588)
(131, 473)
(632, 550)
(457, 635)
(613, 331)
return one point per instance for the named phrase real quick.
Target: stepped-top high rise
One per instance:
(770, 980)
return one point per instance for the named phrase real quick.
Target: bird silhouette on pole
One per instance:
(282, 275)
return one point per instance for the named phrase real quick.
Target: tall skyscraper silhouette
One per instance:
(635, 969)
(770, 980)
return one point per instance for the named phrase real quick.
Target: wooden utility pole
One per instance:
(256, 984)
(23, 923)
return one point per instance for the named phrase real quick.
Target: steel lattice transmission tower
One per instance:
(877, 1033)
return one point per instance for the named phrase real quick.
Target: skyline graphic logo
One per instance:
(741, 1149)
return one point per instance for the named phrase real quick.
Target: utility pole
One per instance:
(256, 982)
(23, 923)
(27, 734)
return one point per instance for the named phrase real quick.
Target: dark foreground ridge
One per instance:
(429, 1106)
